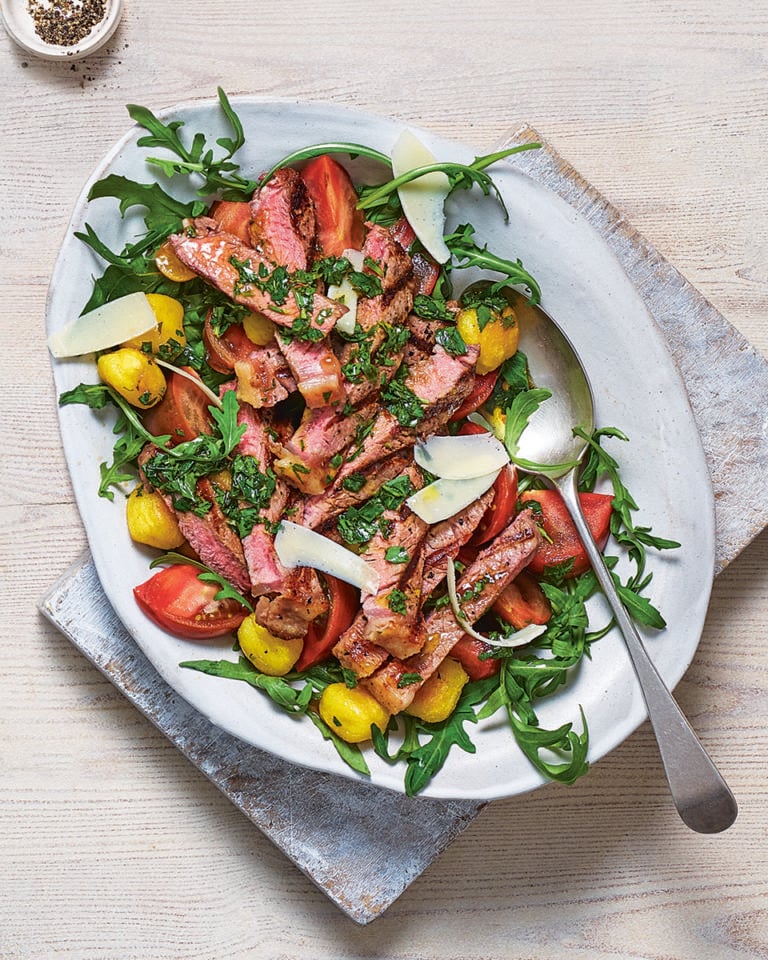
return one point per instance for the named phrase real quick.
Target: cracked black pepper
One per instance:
(65, 22)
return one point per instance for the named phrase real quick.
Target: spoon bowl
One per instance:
(701, 796)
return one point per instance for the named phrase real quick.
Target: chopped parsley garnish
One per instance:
(397, 601)
(402, 402)
(358, 525)
(396, 555)
(451, 341)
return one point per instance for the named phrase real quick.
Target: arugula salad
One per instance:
(317, 419)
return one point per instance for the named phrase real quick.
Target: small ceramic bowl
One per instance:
(21, 27)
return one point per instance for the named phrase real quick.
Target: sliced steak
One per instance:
(227, 263)
(441, 382)
(210, 535)
(354, 652)
(283, 227)
(495, 567)
(300, 600)
(316, 370)
(390, 308)
(445, 539)
(321, 510)
(263, 377)
(394, 619)
(305, 459)
(265, 571)
(394, 551)
(398, 283)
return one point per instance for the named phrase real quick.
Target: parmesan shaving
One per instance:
(444, 498)
(518, 639)
(422, 199)
(106, 326)
(461, 457)
(298, 546)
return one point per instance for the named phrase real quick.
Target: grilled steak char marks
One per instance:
(495, 567)
(283, 227)
(445, 539)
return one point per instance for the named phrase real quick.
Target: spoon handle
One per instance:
(701, 796)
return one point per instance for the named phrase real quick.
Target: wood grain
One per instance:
(112, 845)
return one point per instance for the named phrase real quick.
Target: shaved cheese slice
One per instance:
(443, 498)
(422, 200)
(519, 638)
(104, 327)
(345, 293)
(460, 457)
(298, 546)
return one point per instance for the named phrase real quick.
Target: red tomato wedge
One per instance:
(183, 411)
(424, 266)
(339, 223)
(467, 651)
(234, 216)
(523, 602)
(225, 350)
(482, 389)
(564, 544)
(344, 601)
(185, 606)
(499, 515)
(502, 509)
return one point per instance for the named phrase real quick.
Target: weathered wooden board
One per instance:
(361, 867)
(329, 827)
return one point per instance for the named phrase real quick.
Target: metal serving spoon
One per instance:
(702, 797)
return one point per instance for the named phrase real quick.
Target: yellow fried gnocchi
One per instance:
(151, 521)
(269, 654)
(168, 338)
(437, 698)
(351, 711)
(134, 375)
(498, 339)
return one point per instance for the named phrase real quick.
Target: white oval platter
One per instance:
(637, 387)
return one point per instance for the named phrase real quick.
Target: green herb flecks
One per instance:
(398, 398)
(397, 601)
(358, 525)
(249, 493)
(176, 471)
(396, 555)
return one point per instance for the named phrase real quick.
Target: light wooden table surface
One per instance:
(111, 844)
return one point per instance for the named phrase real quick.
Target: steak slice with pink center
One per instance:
(265, 571)
(283, 227)
(495, 567)
(248, 278)
(439, 383)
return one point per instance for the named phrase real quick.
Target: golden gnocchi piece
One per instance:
(151, 521)
(269, 654)
(134, 375)
(351, 711)
(436, 699)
